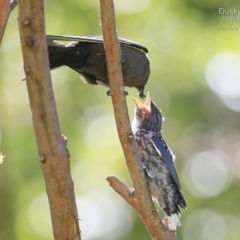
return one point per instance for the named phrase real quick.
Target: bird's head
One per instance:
(147, 116)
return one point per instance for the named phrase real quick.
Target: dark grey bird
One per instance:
(158, 161)
(86, 55)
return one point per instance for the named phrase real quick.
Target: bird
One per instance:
(86, 55)
(157, 161)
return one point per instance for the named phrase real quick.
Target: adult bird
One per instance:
(158, 161)
(86, 55)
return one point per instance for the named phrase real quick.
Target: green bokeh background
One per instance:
(183, 37)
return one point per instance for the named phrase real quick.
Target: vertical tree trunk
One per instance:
(53, 154)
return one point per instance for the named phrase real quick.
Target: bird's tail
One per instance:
(181, 200)
(174, 217)
(57, 53)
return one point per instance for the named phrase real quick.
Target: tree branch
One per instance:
(5, 9)
(53, 154)
(126, 192)
(142, 200)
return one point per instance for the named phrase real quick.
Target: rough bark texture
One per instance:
(53, 154)
(141, 200)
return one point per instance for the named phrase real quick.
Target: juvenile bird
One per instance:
(86, 55)
(158, 161)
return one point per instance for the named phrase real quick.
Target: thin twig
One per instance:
(141, 201)
(53, 155)
(123, 190)
(5, 9)
(4, 15)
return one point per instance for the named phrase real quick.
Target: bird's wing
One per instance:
(166, 156)
(97, 39)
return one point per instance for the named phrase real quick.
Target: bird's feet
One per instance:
(165, 222)
(168, 225)
(109, 93)
(131, 192)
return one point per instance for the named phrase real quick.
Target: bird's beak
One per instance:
(146, 105)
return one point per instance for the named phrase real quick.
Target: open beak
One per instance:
(146, 105)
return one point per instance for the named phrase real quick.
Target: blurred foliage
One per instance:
(199, 100)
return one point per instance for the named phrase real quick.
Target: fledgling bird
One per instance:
(86, 55)
(158, 161)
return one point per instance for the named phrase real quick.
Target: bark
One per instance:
(141, 200)
(53, 154)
